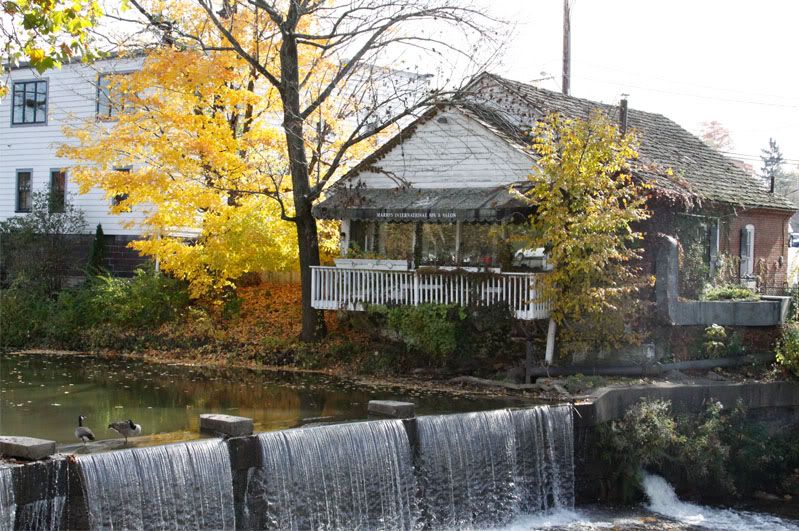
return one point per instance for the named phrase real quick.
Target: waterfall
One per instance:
(46, 512)
(347, 476)
(185, 485)
(8, 506)
(480, 469)
(663, 500)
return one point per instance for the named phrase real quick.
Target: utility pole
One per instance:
(567, 52)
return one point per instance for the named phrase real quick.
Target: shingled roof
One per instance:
(696, 169)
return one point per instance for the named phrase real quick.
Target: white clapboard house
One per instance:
(32, 118)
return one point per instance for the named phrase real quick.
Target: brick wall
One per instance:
(771, 241)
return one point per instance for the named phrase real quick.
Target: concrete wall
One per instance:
(766, 312)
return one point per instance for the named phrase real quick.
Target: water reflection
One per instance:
(43, 395)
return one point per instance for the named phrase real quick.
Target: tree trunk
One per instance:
(313, 324)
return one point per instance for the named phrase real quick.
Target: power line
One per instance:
(676, 82)
(676, 93)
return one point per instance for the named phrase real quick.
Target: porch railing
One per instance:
(336, 288)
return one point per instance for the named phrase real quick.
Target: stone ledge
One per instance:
(218, 424)
(392, 408)
(26, 447)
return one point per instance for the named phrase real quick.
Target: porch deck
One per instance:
(337, 288)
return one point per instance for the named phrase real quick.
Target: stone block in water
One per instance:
(230, 425)
(392, 408)
(26, 447)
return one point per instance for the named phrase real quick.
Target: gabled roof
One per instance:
(672, 159)
(696, 168)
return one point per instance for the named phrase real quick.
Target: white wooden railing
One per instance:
(337, 288)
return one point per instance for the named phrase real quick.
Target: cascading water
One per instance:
(483, 469)
(45, 513)
(663, 500)
(347, 476)
(186, 486)
(8, 507)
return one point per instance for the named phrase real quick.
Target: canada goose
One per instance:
(82, 432)
(125, 428)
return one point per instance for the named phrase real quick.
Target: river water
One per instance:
(43, 395)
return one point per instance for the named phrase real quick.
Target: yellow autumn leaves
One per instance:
(587, 205)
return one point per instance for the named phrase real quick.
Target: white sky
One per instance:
(693, 61)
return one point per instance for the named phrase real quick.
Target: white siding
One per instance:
(452, 150)
(72, 97)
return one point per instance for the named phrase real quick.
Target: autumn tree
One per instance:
(586, 204)
(716, 135)
(322, 60)
(46, 32)
(190, 141)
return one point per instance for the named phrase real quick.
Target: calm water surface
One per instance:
(43, 395)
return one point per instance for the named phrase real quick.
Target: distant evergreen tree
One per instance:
(97, 265)
(772, 163)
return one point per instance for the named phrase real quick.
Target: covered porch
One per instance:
(411, 246)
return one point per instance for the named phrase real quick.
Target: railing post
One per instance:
(416, 288)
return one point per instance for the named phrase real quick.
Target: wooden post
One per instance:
(550, 354)
(528, 362)
(344, 244)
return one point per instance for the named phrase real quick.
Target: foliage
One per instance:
(317, 64)
(772, 162)
(46, 32)
(643, 437)
(788, 348)
(586, 203)
(431, 328)
(694, 268)
(197, 126)
(715, 451)
(97, 264)
(31, 317)
(716, 135)
(23, 313)
(729, 292)
(715, 341)
(34, 244)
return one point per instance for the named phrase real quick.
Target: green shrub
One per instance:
(788, 348)
(714, 452)
(642, 438)
(23, 315)
(729, 292)
(715, 341)
(434, 329)
(148, 299)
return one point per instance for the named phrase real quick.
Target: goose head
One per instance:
(81, 419)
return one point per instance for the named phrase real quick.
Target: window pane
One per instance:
(24, 191)
(30, 103)
(41, 108)
(103, 96)
(57, 191)
(438, 243)
(41, 87)
(19, 104)
(397, 241)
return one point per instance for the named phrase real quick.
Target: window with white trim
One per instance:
(747, 251)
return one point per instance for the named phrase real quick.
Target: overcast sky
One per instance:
(694, 61)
